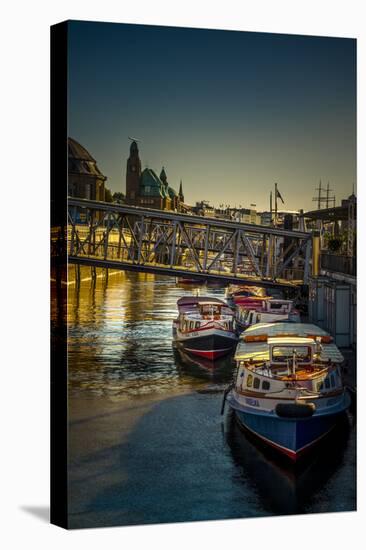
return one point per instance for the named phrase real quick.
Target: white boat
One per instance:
(288, 387)
(249, 311)
(205, 327)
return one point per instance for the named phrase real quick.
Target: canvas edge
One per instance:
(59, 416)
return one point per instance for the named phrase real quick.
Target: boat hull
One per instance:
(291, 437)
(209, 346)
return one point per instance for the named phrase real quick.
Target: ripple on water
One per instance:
(120, 337)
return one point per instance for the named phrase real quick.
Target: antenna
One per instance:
(328, 198)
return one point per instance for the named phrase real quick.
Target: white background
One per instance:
(24, 303)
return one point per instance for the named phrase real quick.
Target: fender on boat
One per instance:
(295, 410)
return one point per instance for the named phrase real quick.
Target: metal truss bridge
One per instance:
(125, 237)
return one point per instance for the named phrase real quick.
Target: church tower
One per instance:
(163, 177)
(180, 194)
(133, 174)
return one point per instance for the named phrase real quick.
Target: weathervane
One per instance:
(133, 139)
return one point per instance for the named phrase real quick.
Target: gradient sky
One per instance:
(229, 113)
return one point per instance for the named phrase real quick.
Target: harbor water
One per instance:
(147, 443)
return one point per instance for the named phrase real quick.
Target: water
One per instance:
(147, 442)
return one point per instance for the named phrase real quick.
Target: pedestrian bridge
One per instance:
(125, 237)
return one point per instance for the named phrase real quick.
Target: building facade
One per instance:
(146, 188)
(85, 180)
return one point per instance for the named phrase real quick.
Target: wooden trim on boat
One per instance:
(249, 393)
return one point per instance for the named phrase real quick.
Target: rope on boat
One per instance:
(224, 398)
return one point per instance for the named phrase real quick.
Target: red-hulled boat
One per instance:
(204, 327)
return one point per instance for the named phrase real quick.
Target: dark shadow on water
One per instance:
(176, 466)
(40, 512)
(173, 467)
(292, 488)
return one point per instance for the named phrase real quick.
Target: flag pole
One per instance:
(275, 217)
(270, 207)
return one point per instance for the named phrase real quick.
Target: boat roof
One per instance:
(259, 351)
(189, 303)
(294, 340)
(195, 300)
(288, 333)
(288, 329)
(255, 290)
(242, 300)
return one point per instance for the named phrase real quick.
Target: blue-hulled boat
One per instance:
(288, 388)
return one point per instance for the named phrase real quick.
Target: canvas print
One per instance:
(203, 263)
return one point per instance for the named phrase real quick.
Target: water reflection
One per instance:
(286, 488)
(120, 335)
(219, 371)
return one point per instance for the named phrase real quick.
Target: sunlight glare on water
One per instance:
(120, 336)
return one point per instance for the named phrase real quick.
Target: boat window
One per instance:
(258, 318)
(278, 305)
(281, 354)
(319, 386)
(327, 383)
(256, 383)
(265, 385)
(332, 380)
(250, 380)
(197, 324)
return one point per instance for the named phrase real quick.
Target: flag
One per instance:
(279, 196)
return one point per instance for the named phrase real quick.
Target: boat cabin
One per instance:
(287, 352)
(266, 311)
(209, 310)
(206, 312)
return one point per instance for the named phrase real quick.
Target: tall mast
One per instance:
(320, 194)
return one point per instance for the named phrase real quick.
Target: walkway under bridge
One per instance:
(125, 237)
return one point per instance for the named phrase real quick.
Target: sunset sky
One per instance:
(229, 113)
